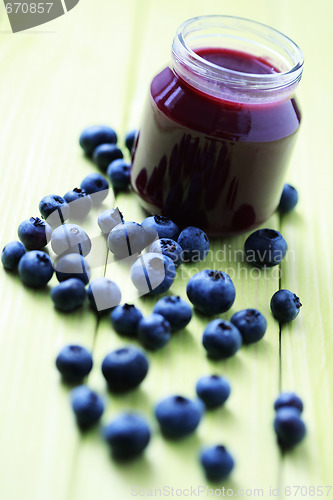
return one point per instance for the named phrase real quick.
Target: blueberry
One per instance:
(104, 154)
(289, 427)
(178, 416)
(109, 219)
(35, 268)
(285, 305)
(103, 294)
(11, 255)
(153, 273)
(211, 292)
(130, 139)
(125, 319)
(154, 331)
(213, 390)
(79, 202)
(34, 233)
(127, 239)
(217, 462)
(93, 136)
(265, 247)
(119, 172)
(54, 209)
(73, 265)
(96, 186)
(128, 435)
(74, 362)
(195, 244)
(87, 406)
(70, 238)
(221, 339)
(288, 399)
(151, 235)
(125, 368)
(289, 199)
(251, 324)
(170, 248)
(68, 295)
(175, 310)
(164, 227)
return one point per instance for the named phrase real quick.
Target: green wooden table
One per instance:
(94, 65)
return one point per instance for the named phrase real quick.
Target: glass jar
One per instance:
(219, 125)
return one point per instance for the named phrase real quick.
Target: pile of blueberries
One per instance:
(288, 424)
(210, 291)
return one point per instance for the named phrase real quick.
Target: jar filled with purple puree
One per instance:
(219, 126)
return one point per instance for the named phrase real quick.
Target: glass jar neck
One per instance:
(241, 35)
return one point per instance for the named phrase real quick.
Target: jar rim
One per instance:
(188, 62)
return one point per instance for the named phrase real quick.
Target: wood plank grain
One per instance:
(306, 344)
(50, 90)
